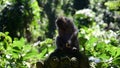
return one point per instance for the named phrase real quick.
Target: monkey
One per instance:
(67, 34)
(67, 43)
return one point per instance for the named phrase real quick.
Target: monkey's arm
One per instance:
(73, 40)
(73, 37)
(59, 43)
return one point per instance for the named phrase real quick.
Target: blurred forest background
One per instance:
(28, 32)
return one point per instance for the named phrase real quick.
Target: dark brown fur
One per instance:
(67, 38)
(67, 46)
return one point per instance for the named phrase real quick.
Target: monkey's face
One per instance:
(61, 23)
(64, 24)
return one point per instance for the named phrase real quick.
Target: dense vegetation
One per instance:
(27, 30)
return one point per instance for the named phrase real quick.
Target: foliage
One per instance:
(113, 5)
(16, 53)
(102, 46)
(15, 18)
(31, 30)
(99, 46)
(19, 53)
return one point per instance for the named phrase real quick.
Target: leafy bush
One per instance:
(15, 18)
(19, 53)
(100, 45)
(16, 53)
(32, 22)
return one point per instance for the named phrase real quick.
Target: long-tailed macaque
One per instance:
(67, 34)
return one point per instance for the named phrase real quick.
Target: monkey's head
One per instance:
(64, 25)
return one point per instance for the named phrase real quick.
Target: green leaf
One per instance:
(16, 50)
(117, 52)
(44, 51)
(26, 48)
(104, 56)
(92, 40)
(113, 4)
(31, 54)
(82, 40)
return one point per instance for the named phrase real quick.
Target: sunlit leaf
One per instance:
(42, 54)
